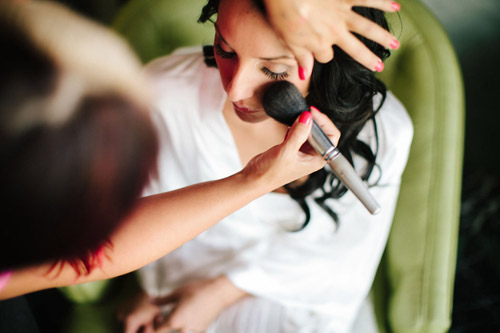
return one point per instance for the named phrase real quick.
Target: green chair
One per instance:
(413, 288)
(157, 27)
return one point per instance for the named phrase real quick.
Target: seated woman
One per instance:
(301, 259)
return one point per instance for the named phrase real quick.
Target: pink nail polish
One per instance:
(394, 44)
(305, 118)
(380, 66)
(314, 108)
(302, 73)
(395, 6)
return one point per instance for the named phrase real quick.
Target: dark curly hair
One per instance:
(344, 90)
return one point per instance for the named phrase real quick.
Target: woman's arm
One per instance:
(160, 223)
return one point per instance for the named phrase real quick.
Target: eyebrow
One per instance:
(262, 58)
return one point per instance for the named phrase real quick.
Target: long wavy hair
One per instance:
(344, 90)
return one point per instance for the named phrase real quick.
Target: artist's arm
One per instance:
(313, 26)
(161, 223)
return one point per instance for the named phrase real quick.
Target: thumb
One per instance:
(299, 132)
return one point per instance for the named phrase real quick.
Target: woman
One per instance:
(298, 260)
(77, 147)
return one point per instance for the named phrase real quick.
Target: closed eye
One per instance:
(274, 76)
(223, 54)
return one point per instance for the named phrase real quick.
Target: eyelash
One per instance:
(222, 53)
(270, 74)
(273, 75)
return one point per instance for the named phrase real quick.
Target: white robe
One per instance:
(314, 280)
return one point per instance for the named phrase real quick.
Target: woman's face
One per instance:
(250, 57)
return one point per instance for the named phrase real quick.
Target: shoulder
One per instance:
(182, 81)
(182, 73)
(395, 134)
(394, 118)
(394, 125)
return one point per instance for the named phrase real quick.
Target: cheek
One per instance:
(226, 70)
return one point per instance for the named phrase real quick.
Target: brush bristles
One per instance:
(284, 102)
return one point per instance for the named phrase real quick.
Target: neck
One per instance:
(253, 138)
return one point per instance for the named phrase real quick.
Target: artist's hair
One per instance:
(66, 182)
(344, 90)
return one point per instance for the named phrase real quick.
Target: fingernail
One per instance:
(396, 6)
(380, 66)
(314, 108)
(305, 118)
(302, 73)
(394, 44)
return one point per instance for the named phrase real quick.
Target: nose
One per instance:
(241, 86)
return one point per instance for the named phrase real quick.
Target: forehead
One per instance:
(239, 6)
(241, 23)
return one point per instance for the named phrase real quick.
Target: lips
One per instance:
(244, 109)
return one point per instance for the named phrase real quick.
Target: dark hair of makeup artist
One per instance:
(344, 90)
(64, 187)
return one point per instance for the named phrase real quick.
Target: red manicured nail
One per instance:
(302, 73)
(305, 118)
(314, 108)
(394, 44)
(396, 6)
(380, 66)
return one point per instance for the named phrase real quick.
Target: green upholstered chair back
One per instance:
(414, 285)
(157, 27)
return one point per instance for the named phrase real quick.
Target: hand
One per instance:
(288, 161)
(140, 315)
(313, 26)
(198, 304)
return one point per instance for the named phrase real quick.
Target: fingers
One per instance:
(373, 31)
(361, 53)
(140, 318)
(167, 329)
(384, 5)
(172, 297)
(134, 325)
(148, 329)
(324, 54)
(305, 61)
(299, 132)
(326, 125)
(321, 38)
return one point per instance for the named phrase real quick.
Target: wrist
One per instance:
(255, 179)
